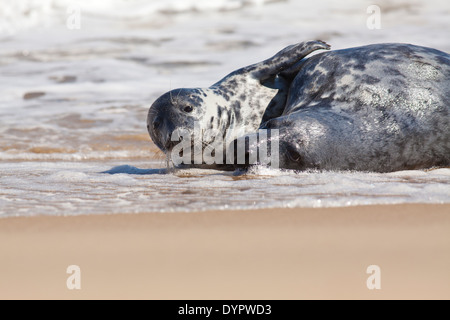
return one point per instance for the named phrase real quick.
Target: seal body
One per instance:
(382, 107)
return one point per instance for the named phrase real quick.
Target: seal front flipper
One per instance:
(281, 61)
(256, 93)
(285, 59)
(278, 76)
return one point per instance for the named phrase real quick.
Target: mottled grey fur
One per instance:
(239, 102)
(382, 107)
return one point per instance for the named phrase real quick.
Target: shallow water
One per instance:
(73, 103)
(33, 188)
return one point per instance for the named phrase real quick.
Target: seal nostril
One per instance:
(157, 123)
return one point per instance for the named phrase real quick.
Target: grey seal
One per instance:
(381, 107)
(240, 102)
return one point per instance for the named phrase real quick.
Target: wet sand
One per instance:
(264, 254)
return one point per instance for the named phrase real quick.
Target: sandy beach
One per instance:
(261, 254)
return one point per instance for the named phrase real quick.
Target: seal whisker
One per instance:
(178, 95)
(171, 97)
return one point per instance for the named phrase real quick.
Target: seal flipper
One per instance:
(281, 61)
(276, 106)
(279, 76)
(284, 59)
(275, 73)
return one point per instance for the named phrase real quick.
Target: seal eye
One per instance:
(188, 109)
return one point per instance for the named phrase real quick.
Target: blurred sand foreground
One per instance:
(264, 254)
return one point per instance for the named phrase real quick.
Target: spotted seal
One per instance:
(381, 107)
(240, 102)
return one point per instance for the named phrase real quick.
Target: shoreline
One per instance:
(299, 253)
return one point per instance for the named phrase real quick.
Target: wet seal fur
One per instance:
(381, 107)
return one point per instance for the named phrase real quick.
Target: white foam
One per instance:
(24, 14)
(72, 188)
(68, 176)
